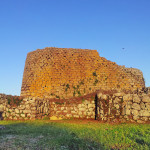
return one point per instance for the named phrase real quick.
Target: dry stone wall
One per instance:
(84, 110)
(34, 108)
(28, 109)
(64, 73)
(80, 108)
(107, 106)
(131, 107)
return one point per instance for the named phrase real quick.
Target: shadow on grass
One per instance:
(44, 136)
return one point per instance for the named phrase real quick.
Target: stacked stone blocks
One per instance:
(64, 73)
(129, 107)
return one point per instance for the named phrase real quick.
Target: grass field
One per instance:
(73, 135)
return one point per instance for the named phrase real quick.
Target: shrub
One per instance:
(94, 74)
(67, 87)
(57, 97)
(14, 100)
(96, 81)
(82, 83)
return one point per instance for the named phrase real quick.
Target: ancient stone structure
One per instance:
(64, 73)
(61, 83)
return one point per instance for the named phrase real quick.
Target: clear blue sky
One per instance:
(104, 25)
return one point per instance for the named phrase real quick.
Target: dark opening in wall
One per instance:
(1, 118)
(96, 114)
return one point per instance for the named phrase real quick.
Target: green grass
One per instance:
(71, 135)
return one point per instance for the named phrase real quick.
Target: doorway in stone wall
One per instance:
(1, 118)
(96, 105)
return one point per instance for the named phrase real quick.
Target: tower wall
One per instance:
(63, 73)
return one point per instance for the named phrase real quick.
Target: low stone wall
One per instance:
(104, 106)
(82, 108)
(28, 108)
(124, 107)
(35, 108)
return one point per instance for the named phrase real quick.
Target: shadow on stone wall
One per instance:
(1, 118)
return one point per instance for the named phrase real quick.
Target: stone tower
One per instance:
(67, 72)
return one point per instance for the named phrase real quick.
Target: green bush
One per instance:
(14, 100)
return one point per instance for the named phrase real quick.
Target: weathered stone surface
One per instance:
(12, 113)
(144, 113)
(3, 115)
(148, 106)
(136, 106)
(28, 106)
(135, 112)
(104, 97)
(91, 105)
(117, 106)
(135, 117)
(92, 109)
(63, 70)
(82, 109)
(119, 94)
(146, 98)
(127, 111)
(99, 95)
(33, 108)
(21, 107)
(142, 105)
(101, 111)
(22, 115)
(140, 121)
(68, 115)
(145, 118)
(117, 100)
(32, 101)
(127, 97)
(27, 111)
(17, 111)
(136, 98)
(25, 100)
(34, 112)
(1, 108)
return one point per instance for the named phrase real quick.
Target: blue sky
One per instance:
(104, 25)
